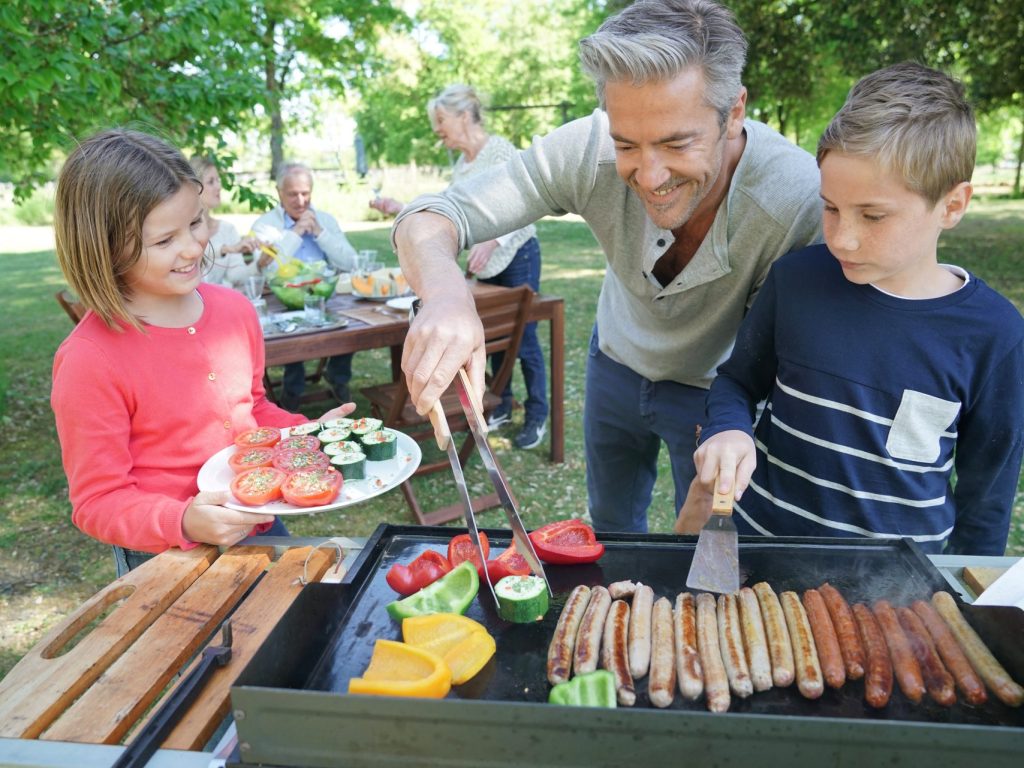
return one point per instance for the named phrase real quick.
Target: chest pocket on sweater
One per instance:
(920, 424)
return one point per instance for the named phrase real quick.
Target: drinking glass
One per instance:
(363, 261)
(313, 306)
(253, 287)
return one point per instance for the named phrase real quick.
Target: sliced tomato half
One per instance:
(256, 487)
(260, 437)
(294, 459)
(312, 487)
(508, 563)
(299, 443)
(461, 548)
(250, 458)
(566, 542)
(424, 570)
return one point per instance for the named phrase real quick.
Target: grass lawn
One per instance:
(47, 567)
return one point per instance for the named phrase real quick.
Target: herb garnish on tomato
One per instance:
(312, 487)
(256, 487)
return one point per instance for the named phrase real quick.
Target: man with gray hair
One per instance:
(322, 240)
(691, 203)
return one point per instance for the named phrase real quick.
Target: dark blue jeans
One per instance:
(339, 374)
(625, 419)
(129, 559)
(524, 269)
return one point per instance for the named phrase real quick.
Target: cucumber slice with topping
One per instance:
(380, 445)
(309, 428)
(342, 446)
(362, 427)
(334, 434)
(338, 423)
(351, 465)
(522, 599)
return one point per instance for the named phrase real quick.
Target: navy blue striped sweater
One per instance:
(885, 417)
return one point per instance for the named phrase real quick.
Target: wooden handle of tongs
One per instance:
(478, 415)
(442, 434)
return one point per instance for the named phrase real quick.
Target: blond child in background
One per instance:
(883, 369)
(164, 370)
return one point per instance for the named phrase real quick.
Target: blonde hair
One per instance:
(456, 99)
(915, 120)
(201, 164)
(107, 187)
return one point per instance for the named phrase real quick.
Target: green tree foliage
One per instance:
(189, 70)
(71, 67)
(515, 54)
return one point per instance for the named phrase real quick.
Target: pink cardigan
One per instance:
(139, 413)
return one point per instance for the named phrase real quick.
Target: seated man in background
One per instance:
(322, 240)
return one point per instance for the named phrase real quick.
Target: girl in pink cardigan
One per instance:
(163, 371)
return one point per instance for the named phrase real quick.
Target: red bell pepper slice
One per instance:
(566, 542)
(425, 569)
(461, 548)
(508, 563)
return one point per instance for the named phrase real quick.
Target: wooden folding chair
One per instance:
(71, 305)
(503, 313)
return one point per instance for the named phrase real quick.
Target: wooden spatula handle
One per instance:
(721, 503)
(477, 413)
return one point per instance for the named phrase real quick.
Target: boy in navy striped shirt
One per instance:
(893, 383)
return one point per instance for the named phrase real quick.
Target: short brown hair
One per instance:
(107, 187)
(915, 120)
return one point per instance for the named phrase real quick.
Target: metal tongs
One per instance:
(478, 428)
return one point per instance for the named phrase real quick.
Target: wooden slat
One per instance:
(125, 691)
(45, 682)
(250, 625)
(980, 578)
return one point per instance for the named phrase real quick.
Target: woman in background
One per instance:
(511, 260)
(226, 247)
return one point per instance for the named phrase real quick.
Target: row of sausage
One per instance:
(754, 639)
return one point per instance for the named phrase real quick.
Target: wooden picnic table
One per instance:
(372, 325)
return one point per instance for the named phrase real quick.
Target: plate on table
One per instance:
(381, 476)
(403, 303)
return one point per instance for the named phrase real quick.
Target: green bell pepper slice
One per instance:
(592, 689)
(452, 593)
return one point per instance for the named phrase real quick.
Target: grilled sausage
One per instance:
(640, 631)
(878, 665)
(780, 649)
(805, 655)
(937, 680)
(908, 671)
(620, 590)
(825, 639)
(615, 654)
(846, 631)
(588, 639)
(730, 637)
(985, 664)
(716, 683)
(952, 656)
(688, 670)
(661, 683)
(754, 641)
(564, 639)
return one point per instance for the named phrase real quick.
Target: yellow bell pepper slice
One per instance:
(468, 657)
(464, 644)
(399, 669)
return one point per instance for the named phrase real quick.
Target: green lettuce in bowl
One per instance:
(291, 291)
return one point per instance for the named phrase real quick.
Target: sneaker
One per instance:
(500, 415)
(531, 435)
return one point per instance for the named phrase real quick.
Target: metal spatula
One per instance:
(716, 561)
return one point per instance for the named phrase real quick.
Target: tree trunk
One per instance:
(1020, 160)
(273, 101)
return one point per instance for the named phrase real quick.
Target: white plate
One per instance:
(381, 476)
(403, 303)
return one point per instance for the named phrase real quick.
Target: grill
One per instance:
(295, 711)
